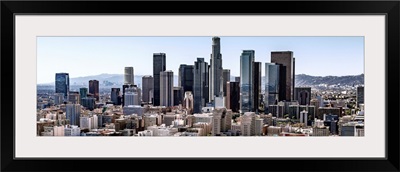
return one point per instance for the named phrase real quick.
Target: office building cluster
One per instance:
(206, 102)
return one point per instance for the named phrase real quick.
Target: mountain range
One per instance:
(300, 80)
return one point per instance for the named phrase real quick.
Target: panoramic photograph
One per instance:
(165, 86)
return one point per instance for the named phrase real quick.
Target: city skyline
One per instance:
(76, 53)
(199, 106)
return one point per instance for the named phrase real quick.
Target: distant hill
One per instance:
(301, 80)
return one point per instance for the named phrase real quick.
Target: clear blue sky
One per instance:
(85, 56)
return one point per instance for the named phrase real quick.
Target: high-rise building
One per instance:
(200, 84)
(248, 124)
(246, 80)
(226, 76)
(216, 122)
(286, 59)
(186, 78)
(88, 102)
(360, 95)
(124, 88)
(73, 112)
(188, 102)
(233, 96)
(302, 95)
(271, 85)
(128, 76)
(115, 92)
(166, 88)
(83, 92)
(58, 98)
(62, 84)
(177, 96)
(226, 119)
(215, 69)
(256, 86)
(159, 65)
(131, 97)
(74, 97)
(147, 88)
(94, 88)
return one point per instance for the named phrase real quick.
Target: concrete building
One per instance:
(74, 97)
(73, 112)
(128, 76)
(188, 102)
(147, 88)
(216, 122)
(166, 88)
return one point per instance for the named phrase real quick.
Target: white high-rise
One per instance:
(128, 76)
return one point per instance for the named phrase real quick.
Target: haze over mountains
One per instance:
(300, 80)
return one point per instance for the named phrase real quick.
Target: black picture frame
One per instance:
(390, 8)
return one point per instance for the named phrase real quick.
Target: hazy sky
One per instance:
(85, 56)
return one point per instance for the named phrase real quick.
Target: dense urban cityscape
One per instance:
(208, 101)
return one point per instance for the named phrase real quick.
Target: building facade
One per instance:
(246, 80)
(215, 69)
(166, 88)
(159, 65)
(200, 84)
(94, 89)
(62, 84)
(286, 59)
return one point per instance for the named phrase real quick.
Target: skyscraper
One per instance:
(94, 88)
(200, 84)
(246, 80)
(166, 88)
(131, 97)
(215, 69)
(159, 65)
(73, 112)
(114, 96)
(74, 97)
(271, 85)
(302, 95)
(185, 79)
(128, 76)
(177, 96)
(83, 92)
(124, 88)
(286, 59)
(147, 88)
(62, 84)
(226, 75)
(256, 86)
(233, 96)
